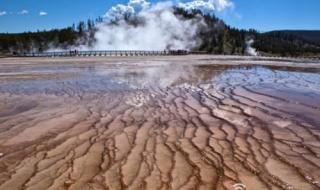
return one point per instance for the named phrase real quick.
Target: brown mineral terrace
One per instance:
(175, 122)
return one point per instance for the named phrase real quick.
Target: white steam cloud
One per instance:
(158, 28)
(250, 50)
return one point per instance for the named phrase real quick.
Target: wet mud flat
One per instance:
(159, 123)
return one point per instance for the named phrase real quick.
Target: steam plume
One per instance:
(250, 50)
(158, 28)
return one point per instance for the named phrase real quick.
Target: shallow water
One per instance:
(57, 79)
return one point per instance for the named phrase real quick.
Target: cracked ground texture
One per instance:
(180, 123)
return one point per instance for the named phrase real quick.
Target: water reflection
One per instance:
(99, 78)
(162, 77)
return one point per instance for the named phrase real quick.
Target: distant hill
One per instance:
(289, 42)
(312, 36)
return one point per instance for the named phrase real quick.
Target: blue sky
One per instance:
(263, 15)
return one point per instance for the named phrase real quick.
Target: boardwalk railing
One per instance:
(76, 53)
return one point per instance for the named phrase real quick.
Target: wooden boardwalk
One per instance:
(76, 53)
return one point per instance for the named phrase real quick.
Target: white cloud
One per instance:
(42, 13)
(119, 11)
(3, 13)
(207, 6)
(23, 12)
(139, 5)
(136, 6)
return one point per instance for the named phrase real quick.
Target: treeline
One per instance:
(220, 38)
(80, 34)
(285, 43)
(217, 38)
(37, 41)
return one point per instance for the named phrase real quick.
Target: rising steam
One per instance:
(249, 49)
(155, 26)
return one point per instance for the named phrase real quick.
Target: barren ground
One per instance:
(180, 122)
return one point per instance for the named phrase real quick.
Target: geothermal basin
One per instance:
(173, 122)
